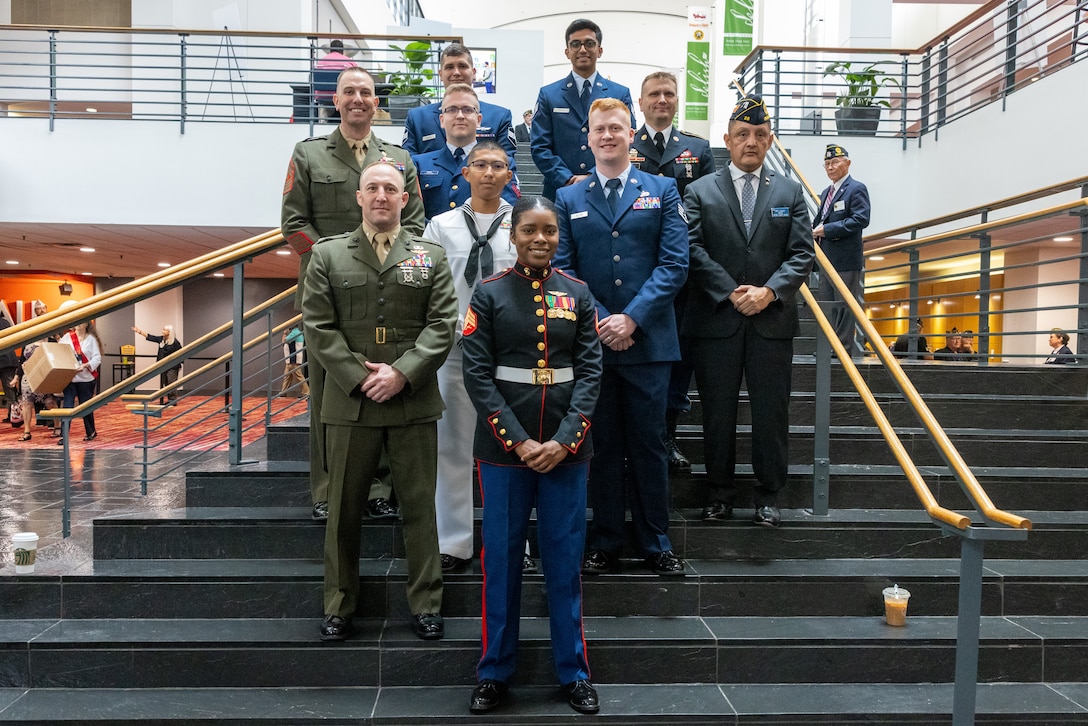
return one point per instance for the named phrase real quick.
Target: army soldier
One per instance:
(379, 311)
(318, 201)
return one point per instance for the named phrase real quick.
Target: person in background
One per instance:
(912, 345)
(28, 399)
(953, 341)
(168, 345)
(532, 369)
(1059, 344)
(967, 347)
(294, 356)
(334, 60)
(9, 366)
(88, 349)
(523, 130)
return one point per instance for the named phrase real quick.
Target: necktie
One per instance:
(360, 152)
(381, 246)
(748, 201)
(459, 155)
(480, 257)
(585, 95)
(613, 195)
(827, 202)
(659, 142)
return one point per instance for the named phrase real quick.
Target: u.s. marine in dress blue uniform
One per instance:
(527, 324)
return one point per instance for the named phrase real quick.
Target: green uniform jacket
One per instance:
(402, 313)
(319, 193)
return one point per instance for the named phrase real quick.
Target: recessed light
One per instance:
(91, 109)
(977, 297)
(1063, 239)
(877, 258)
(929, 302)
(218, 274)
(86, 273)
(283, 252)
(86, 249)
(164, 264)
(13, 262)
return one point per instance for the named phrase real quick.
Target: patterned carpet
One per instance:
(195, 422)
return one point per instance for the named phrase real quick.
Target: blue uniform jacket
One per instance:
(423, 133)
(526, 318)
(560, 134)
(443, 187)
(843, 225)
(686, 157)
(635, 264)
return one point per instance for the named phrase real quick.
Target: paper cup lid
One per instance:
(24, 537)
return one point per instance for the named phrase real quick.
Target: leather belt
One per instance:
(534, 376)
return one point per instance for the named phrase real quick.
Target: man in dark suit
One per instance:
(379, 311)
(422, 128)
(751, 249)
(623, 233)
(560, 128)
(523, 130)
(843, 214)
(319, 201)
(659, 148)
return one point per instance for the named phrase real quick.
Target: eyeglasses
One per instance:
(454, 110)
(579, 44)
(495, 166)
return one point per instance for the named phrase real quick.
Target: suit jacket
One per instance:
(401, 312)
(423, 133)
(521, 134)
(633, 264)
(1062, 356)
(687, 157)
(319, 193)
(843, 225)
(560, 133)
(777, 254)
(442, 185)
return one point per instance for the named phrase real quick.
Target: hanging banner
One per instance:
(737, 27)
(697, 76)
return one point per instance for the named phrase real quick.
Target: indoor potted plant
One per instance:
(859, 108)
(414, 80)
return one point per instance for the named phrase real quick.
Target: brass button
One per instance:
(509, 442)
(494, 420)
(541, 364)
(540, 328)
(536, 284)
(502, 431)
(540, 346)
(539, 313)
(537, 298)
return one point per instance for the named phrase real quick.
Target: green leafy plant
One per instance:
(862, 83)
(416, 78)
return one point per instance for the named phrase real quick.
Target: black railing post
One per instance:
(1082, 285)
(903, 96)
(923, 111)
(913, 284)
(271, 347)
(777, 87)
(757, 83)
(821, 449)
(984, 261)
(52, 81)
(234, 425)
(967, 630)
(942, 83)
(184, 80)
(311, 103)
(1013, 18)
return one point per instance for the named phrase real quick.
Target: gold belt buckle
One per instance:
(543, 376)
(379, 336)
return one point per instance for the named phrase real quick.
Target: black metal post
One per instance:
(1013, 17)
(53, 83)
(66, 513)
(967, 630)
(777, 87)
(927, 62)
(184, 81)
(903, 96)
(821, 449)
(984, 257)
(234, 425)
(942, 83)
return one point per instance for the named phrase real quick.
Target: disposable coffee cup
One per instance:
(895, 605)
(26, 551)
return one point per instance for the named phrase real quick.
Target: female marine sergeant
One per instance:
(532, 367)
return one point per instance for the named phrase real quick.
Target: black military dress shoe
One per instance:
(528, 565)
(717, 511)
(666, 564)
(429, 626)
(380, 508)
(597, 562)
(453, 564)
(487, 696)
(320, 511)
(91, 436)
(334, 627)
(677, 460)
(767, 517)
(583, 697)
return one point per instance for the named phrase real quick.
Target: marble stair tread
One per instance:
(892, 470)
(1050, 703)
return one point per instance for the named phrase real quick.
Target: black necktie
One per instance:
(613, 195)
(459, 155)
(659, 142)
(480, 257)
(585, 95)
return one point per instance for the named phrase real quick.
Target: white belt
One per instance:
(534, 376)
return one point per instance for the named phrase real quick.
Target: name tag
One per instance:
(780, 211)
(429, 172)
(428, 137)
(579, 215)
(560, 110)
(839, 206)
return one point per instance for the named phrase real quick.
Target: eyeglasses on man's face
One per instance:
(464, 110)
(579, 44)
(496, 166)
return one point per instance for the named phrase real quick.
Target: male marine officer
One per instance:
(662, 149)
(379, 312)
(319, 201)
(441, 178)
(560, 142)
(751, 248)
(623, 233)
(843, 214)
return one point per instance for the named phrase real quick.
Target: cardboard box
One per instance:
(51, 367)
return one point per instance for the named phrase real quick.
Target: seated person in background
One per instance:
(912, 345)
(951, 350)
(967, 347)
(1059, 342)
(331, 63)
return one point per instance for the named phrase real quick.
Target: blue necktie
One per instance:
(585, 96)
(748, 201)
(614, 195)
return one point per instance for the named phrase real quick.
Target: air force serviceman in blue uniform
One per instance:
(560, 129)
(441, 181)
(624, 233)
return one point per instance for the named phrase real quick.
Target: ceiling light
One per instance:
(91, 109)
(1063, 239)
(929, 302)
(977, 297)
(877, 258)
(86, 273)
(66, 288)
(86, 249)
(13, 262)
(218, 274)
(164, 264)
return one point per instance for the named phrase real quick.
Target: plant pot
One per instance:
(857, 120)
(399, 106)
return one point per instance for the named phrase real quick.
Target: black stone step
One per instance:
(1052, 704)
(262, 484)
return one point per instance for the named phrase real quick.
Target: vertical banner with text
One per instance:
(737, 27)
(697, 76)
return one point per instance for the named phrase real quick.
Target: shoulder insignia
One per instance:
(316, 138)
(289, 182)
(470, 322)
(683, 212)
(688, 133)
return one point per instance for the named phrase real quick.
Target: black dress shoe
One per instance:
(583, 697)
(453, 564)
(677, 460)
(91, 436)
(380, 508)
(666, 564)
(321, 511)
(767, 517)
(717, 511)
(487, 696)
(528, 564)
(597, 562)
(429, 626)
(334, 627)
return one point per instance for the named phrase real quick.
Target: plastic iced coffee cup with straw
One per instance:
(895, 605)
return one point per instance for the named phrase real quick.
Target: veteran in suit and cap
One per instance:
(751, 249)
(379, 311)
